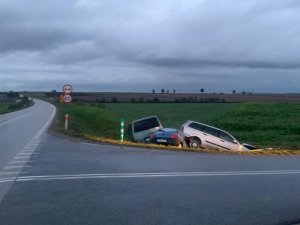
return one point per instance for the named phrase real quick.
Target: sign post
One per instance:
(66, 98)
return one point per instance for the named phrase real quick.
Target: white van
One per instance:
(142, 129)
(202, 135)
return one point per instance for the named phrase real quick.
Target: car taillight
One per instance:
(174, 136)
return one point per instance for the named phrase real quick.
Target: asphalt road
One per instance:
(73, 182)
(70, 182)
(20, 133)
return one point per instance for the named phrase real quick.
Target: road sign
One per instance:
(67, 88)
(67, 98)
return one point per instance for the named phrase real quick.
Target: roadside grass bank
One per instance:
(4, 107)
(10, 106)
(266, 125)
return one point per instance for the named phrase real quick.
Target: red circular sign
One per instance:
(67, 98)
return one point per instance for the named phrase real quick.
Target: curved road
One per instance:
(20, 133)
(73, 182)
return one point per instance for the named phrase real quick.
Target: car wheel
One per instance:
(195, 143)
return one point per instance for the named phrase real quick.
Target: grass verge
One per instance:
(272, 125)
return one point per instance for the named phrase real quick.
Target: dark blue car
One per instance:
(168, 136)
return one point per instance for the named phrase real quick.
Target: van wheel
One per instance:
(195, 142)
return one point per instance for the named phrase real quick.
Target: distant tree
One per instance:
(174, 91)
(202, 90)
(233, 91)
(244, 92)
(114, 100)
(12, 94)
(162, 91)
(155, 100)
(168, 91)
(153, 91)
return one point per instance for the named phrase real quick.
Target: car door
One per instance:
(210, 135)
(227, 141)
(217, 139)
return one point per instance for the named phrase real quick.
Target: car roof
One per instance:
(190, 121)
(168, 129)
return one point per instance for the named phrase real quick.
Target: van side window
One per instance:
(225, 136)
(146, 124)
(197, 126)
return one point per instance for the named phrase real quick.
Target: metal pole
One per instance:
(122, 130)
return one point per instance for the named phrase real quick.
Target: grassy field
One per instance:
(11, 105)
(4, 108)
(275, 125)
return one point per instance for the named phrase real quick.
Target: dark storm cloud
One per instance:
(147, 40)
(183, 63)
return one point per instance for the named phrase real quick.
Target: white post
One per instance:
(66, 121)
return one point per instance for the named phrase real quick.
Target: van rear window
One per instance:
(146, 124)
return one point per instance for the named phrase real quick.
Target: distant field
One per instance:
(185, 97)
(261, 124)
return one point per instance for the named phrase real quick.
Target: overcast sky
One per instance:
(140, 45)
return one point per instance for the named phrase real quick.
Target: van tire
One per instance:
(195, 142)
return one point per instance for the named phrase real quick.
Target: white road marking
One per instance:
(153, 175)
(7, 173)
(19, 162)
(10, 179)
(26, 151)
(144, 175)
(21, 157)
(26, 154)
(13, 167)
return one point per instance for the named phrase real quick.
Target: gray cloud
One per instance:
(132, 45)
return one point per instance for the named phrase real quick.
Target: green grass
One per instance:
(10, 106)
(274, 125)
(4, 108)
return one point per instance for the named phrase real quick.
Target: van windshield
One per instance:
(146, 124)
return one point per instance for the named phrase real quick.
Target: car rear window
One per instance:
(146, 124)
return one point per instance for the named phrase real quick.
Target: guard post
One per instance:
(122, 130)
(66, 121)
